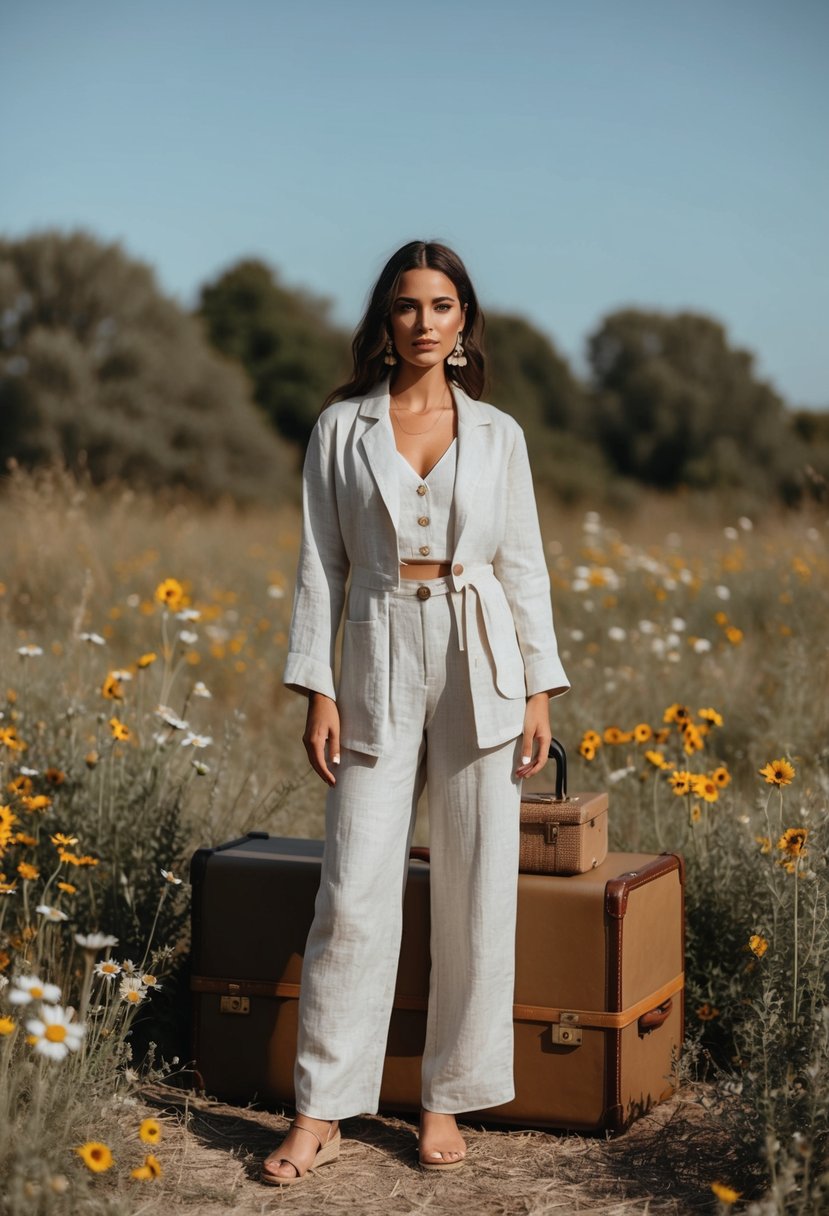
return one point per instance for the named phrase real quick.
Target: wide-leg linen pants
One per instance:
(352, 951)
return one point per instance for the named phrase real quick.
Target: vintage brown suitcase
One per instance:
(599, 1016)
(562, 833)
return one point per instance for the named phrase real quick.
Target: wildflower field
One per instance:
(142, 715)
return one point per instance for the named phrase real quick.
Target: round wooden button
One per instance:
(424, 549)
(423, 593)
(457, 568)
(423, 521)
(422, 489)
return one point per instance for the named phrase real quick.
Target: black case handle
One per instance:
(558, 754)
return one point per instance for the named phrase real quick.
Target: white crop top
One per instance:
(425, 530)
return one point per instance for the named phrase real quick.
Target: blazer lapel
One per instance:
(471, 459)
(379, 447)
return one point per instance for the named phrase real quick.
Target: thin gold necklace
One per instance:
(437, 412)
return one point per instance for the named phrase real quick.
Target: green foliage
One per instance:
(674, 403)
(283, 339)
(100, 370)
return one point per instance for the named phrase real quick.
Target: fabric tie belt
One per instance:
(463, 606)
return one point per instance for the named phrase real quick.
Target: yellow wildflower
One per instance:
(120, 730)
(150, 1131)
(642, 732)
(146, 659)
(150, 1170)
(20, 785)
(734, 635)
(696, 813)
(91, 759)
(613, 734)
(112, 688)
(757, 945)
(705, 787)
(726, 1193)
(721, 777)
(692, 739)
(676, 713)
(778, 772)
(170, 593)
(592, 737)
(28, 871)
(764, 843)
(36, 802)
(721, 617)
(62, 840)
(95, 1156)
(68, 888)
(681, 781)
(792, 841)
(710, 715)
(7, 1025)
(55, 776)
(707, 1012)
(657, 759)
(25, 838)
(587, 750)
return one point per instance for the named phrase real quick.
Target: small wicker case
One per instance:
(561, 834)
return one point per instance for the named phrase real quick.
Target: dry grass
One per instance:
(663, 1164)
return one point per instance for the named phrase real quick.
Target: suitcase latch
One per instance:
(550, 833)
(234, 1004)
(567, 1031)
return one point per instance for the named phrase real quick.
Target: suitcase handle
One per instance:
(655, 1017)
(419, 852)
(558, 754)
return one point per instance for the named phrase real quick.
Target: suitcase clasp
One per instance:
(234, 1004)
(550, 833)
(567, 1031)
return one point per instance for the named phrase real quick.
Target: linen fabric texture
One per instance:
(351, 955)
(350, 517)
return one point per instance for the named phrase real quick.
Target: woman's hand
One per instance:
(322, 726)
(536, 729)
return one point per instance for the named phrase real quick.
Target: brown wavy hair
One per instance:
(369, 344)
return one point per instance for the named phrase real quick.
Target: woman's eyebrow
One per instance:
(436, 300)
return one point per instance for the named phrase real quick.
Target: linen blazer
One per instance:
(350, 512)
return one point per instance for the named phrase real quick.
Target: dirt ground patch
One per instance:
(664, 1163)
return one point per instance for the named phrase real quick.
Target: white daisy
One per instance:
(54, 914)
(55, 1032)
(129, 967)
(201, 768)
(722, 593)
(92, 637)
(133, 600)
(30, 988)
(745, 523)
(646, 627)
(123, 676)
(108, 968)
(730, 533)
(131, 990)
(171, 718)
(95, 941)
(188, 614)
(200, 689)
(28, 772)
(170, 876)
(194, 740)
(188, 637)
(701, 645)
(617, 633)
(677, 624)
(29, 650)
(276, 592)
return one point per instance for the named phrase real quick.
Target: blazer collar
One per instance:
(379, 447)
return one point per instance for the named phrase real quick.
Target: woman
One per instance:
(423, 494)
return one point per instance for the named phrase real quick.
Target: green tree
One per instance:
(674, 403)
(98, 368)
(282, 337)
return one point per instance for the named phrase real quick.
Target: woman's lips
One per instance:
(425, 344)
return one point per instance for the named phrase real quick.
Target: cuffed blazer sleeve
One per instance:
(321, 573)
(521, 567)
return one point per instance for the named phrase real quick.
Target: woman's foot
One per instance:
(306, 1145)
(441, 1144)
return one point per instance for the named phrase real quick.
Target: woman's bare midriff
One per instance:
(425, 569)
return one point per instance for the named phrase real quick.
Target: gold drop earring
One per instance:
(390, 356)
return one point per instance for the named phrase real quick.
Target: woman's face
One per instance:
(426, 317)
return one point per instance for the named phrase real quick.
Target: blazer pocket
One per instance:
(356, 693)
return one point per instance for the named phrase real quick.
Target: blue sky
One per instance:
(580, 156)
